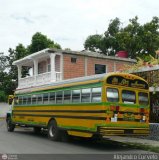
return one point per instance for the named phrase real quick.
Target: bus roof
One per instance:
(76, 81)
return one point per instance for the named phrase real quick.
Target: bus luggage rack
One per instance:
(122, 131)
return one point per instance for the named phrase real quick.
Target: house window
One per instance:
(99, 68)
(73, 59)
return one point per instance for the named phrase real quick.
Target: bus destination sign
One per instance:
(121, 81)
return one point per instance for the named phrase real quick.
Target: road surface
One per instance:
(25, 141)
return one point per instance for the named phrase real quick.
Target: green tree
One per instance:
(40, 42)
(93, 42)
(3, 62)
(106, 43)
(14, 54)
(138, 40)
(9, 79)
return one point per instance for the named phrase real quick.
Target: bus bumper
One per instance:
(105, 131)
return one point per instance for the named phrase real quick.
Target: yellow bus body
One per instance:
(87, 119)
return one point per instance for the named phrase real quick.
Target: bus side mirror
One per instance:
(10, 99)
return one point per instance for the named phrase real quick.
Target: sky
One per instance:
(67, 22)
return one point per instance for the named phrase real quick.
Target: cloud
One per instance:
(67, 22)
(22, 18)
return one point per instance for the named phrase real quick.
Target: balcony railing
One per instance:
(40, 79)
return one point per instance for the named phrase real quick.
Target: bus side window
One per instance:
(20, 100)
(67, 97)
(29, 99)
(59, 97)
(76, 98)
(45, 98)
(39, 99)
(96, 94)
(52, 98)
(34, 99)
(25, 98)
(86, 95)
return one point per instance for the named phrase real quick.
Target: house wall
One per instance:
(72, 70)
(85, 66)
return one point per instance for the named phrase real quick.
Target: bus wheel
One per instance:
(96, 137)
(54, 132)
(10, 125)
(37, 130)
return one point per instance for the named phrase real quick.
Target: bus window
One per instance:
(45, 98)
(76, 96)
(96, 94)
(67, 96)
(34, 98)
(25, 98)
(128, 97)
(59, 96)
(29, 99)
(52, 98)
(39, 99)
(112, 95)
(20, 100)
(143, 98)
(86, 95)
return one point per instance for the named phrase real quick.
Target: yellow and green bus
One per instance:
(98, 105)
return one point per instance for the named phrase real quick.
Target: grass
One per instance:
(143, 147)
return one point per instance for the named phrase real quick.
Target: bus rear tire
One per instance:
(10, 125)
(54, 133)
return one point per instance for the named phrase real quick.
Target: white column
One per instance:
(35, 70)
(52, 62)
(19, 72)
(35, 67)
(19, 75)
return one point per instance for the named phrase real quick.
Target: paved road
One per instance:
(4, 107)
(24, 141)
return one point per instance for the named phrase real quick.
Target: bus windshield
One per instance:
(128, 97)
(143, 98)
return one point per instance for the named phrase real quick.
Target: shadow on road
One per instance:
(101, 145)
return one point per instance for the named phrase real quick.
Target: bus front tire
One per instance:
(54, 133)
(10, 125)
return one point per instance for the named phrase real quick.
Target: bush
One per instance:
(3, 97)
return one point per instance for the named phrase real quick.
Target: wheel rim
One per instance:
(52, 131)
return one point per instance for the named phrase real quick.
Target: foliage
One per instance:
(7, 86)
(40, 41)
(93, 42)
(149, 61)
(3, 62)
(138, 40)
(9, 79)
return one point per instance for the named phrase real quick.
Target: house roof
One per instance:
(48, 51)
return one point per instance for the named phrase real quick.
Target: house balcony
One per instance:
(43, 67)
(38, 80)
